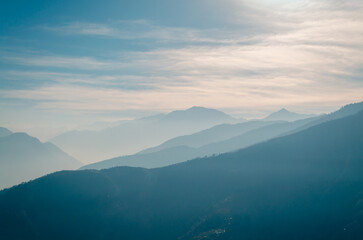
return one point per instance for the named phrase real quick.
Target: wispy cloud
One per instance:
(143, 29)
(128, 30)
(124, 82)
(311, 53)
(88, 63)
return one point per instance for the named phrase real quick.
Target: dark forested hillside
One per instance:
(307, 185)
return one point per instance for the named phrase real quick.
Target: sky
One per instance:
(70, 64)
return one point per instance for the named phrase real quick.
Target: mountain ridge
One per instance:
(134, 136)
(286, 115)
(210, 135)
(306, 185)
(160, 156)
(4, 132)
(23, 158)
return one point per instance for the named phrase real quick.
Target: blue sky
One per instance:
(67, 64)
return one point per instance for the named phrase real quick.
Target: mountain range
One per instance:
(219, 139)
(214, 134)
(151, 158)
(23, 158)
(134, 136)
(305, 185)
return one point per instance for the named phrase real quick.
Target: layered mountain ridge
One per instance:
(219, 139)
(134, 136)
(306, 185)
(23, 158)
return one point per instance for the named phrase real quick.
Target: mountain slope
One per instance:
(303, 186)
(227, 137)
(23, 158)
(133, 136)
(254, 136)
(245, 134)
(166, 156)
(156, 159)
(210, 135)
(285, 115)
(344, 111)
(196, 114)
(4, 132)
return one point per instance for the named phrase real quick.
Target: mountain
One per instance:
(23, 158)
(210, 135)
(252, 132)
(134, 136)
(4, 132)
(285, 115)
(161, 158)
(344, 111)
(307, 185)
(254, 136)
(219, 139)
(196, 114)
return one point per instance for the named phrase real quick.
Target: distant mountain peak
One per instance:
(22, 137)
(199, 108)
(199, 113)
(286, 115)
(23, 157)
(284, 110)
(196, 107)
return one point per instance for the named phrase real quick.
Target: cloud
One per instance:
(143, 29)
(127, 30)
(233, 93)
(87, 63)
(124, 82)
(311, 55)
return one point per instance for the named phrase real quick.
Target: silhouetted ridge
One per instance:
(219, 139)
(194, 113)
(23, 158)
(306, 185)
(345, 111)
(216, 140)
(134, 136)
(285, 115)
(21, 137)
(4, 132)
(210, 135)
(283, 110)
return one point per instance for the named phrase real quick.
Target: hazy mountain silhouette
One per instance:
(175, 154)
(195, 113)
(187, 147)
(285, 115)
(23, 158)
(4, 132)
(344, 111)
(210, 135)
(307, 185)
(161, 158)
(254, 136)
(134, 136)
